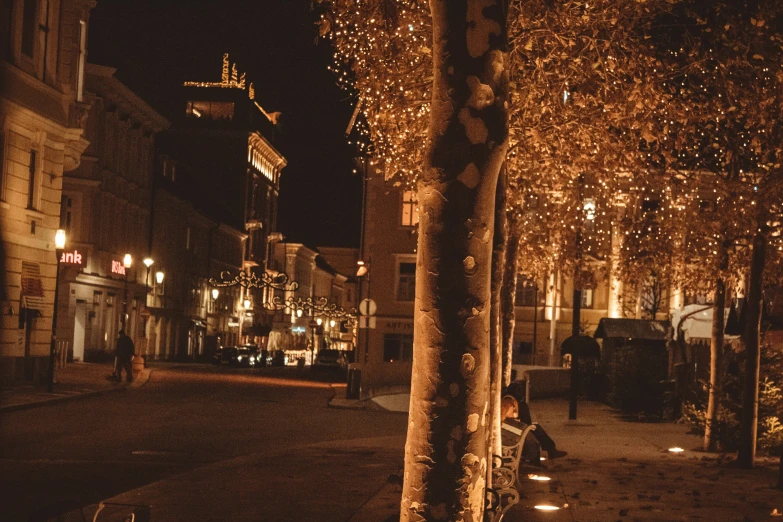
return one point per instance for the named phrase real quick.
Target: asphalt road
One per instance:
(60, 456)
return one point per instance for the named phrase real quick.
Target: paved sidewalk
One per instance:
(615, 470)
(618, 470)
(74, 381)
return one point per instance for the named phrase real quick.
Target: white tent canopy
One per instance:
(696, 322)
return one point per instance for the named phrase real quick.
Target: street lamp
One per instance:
(215, 293)
(127, 261)
(59, 245)
(148, 262)
(588, 213)
(159, 275)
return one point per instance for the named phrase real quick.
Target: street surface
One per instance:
(60, 456)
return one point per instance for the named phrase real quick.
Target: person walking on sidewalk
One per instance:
(124, 357)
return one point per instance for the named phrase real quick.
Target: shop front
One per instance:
(96, 300)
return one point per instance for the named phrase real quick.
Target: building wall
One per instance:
(40, 113)
(105, 213)
(384, 353)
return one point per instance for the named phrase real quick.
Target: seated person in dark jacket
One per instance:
(514, 412)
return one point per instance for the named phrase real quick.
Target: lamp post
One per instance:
(127, 261)
(587, 211)
(148, 262)
(159, 276)
(59, 245)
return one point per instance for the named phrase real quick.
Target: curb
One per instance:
(138, 383)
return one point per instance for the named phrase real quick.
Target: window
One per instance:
(82, 59)
(406, 282)
(397, 347)
(28, 26)
(587, 298)
(65, 213)
(526, 291)
(43, 38)
(697, 299)
(410, 211)
(210, 110)
(31, 180)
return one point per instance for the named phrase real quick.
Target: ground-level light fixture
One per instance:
(127, 261)
(59, 239)
(676, 449)
(159, 275)
(148, 262)
(215, 293)
(541, 478)
(546, 507)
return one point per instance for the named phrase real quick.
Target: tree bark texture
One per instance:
(746, 456)
(496, 380)
(446, 448)
(716, 349)
(508, 294)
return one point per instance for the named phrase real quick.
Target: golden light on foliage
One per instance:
(676, 147)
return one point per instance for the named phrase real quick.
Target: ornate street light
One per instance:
(127, 261)
(59, 245)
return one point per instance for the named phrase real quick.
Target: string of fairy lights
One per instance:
(673, 150)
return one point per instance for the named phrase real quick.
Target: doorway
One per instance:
(79, 326)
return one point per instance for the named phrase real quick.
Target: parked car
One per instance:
(224, 355)
(237, 355)
(246, 356)
(335, 359)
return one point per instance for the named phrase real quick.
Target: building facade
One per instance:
(543, 311)
(105, 212)
(42, 119)
(307, 332)
(187, 319)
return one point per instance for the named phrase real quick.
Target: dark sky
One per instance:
(158, 44)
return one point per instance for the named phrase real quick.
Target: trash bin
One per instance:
(354, 382)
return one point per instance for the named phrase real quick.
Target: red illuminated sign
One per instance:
(74, 258)
(117, 267)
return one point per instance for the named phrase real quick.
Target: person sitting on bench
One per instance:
(517, 416)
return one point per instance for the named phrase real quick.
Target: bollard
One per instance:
(138, 365)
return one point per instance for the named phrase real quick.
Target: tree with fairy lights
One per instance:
(585, 84)
(446, 451)
(578, 108)
(722, 134)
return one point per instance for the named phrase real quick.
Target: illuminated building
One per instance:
(105, 210)
(387, 276)
(226, 137)
(42, 117)
(191, 245)
(316, 279)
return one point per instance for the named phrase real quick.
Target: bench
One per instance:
(505, 474)
(512, 455)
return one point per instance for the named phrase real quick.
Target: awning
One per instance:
(633, 329)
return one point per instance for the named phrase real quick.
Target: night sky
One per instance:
(157, 44)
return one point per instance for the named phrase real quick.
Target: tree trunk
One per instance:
(716, 357)
(496, 380)
(746, 455)
(508, 294)
(446, 448)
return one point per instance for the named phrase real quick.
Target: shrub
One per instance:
(726, 426)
